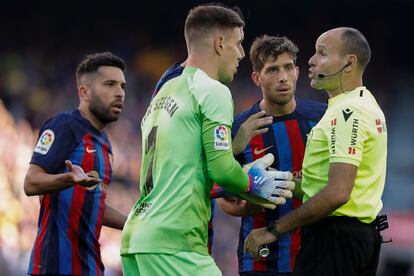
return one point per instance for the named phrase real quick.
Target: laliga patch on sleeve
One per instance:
(45, 141)
(221, 138)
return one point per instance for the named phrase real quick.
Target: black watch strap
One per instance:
(272, 228)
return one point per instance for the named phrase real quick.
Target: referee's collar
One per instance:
(357, 92)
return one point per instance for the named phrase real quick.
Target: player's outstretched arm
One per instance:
(238, 207)
(38, 181)
(224, 170)
(113, 218)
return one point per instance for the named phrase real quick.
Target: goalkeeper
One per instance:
(186, 146)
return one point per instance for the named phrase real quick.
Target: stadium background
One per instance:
(43, 41)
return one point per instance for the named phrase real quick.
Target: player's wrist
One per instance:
(68, 178)
(273, 228)
(250, 185)
(237, 147)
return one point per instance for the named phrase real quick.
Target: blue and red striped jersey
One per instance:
(70, 220)
(286, 140)
(174, 71)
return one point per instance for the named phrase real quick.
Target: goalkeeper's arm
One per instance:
(227, 172)
(222, 168)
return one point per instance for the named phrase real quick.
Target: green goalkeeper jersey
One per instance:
(186, 129)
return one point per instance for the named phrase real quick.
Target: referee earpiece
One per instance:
(322, 76)
(347, 66)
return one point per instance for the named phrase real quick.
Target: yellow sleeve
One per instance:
(348, 134)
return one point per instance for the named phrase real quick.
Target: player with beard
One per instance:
(70, 169)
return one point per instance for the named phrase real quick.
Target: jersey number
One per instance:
(150, 154)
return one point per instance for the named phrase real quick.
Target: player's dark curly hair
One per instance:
(91, 63)
(266, 46)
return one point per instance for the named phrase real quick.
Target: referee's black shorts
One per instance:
(338, 246)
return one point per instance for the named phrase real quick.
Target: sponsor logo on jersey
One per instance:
(354, 134)
(257, 151)
(333, 140)
(142, 208)
(221, 138)
(45, 142)
(347, 113)
(90, 149)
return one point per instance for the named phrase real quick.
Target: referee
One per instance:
(343, 169)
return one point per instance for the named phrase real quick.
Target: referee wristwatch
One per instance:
(272, 228)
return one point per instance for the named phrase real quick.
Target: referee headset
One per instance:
(322, 76)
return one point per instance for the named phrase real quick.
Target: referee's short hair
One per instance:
(354, 42)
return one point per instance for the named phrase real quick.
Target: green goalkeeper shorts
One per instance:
(182, 263)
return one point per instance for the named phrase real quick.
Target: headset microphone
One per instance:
(321, 76)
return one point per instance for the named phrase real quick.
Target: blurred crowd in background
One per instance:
(41, 49)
